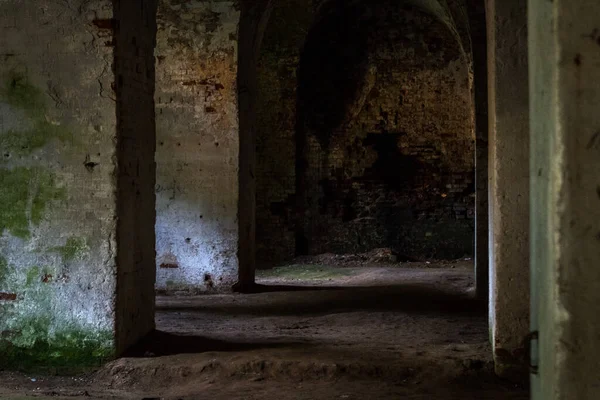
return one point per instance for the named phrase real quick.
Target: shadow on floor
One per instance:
(159, 343)
(306, 300)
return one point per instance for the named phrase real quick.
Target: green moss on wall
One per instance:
(14, 202)
(69, 350)
(25, 195)
(47, 191)
(32, 331)
(33, 275)
(74, 249)
(4, 271)
(19, 93)
(26, 141)
(37, 341)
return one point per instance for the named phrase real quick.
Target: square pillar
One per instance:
(253, 21)
(77, 178)
(565, 172)
(509, 184)
(477, 22)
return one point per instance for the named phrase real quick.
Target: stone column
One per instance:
(509, 183)
(565, 170)
(253, 21)
(135, 40)
(77, 178)
(480, 82)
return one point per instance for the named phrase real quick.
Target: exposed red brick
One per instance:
(169, 266)
(8, 296)
(393, 170)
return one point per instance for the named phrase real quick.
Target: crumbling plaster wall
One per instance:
(509, 184)
(564, 54)
(197, 145)
(60, 235)
(348, 204)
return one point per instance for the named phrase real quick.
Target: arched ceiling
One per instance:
(452, 13)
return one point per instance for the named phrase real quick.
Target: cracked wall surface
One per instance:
(197, 145)
(564, 52)
(58, 173)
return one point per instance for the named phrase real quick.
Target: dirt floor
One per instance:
(345, 330)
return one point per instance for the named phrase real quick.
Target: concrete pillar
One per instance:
(509, 183)
(565, 170)
(197, 145)
(77, 179)
(253, 22)
(477, 24)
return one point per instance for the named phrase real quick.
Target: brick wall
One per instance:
(386, 131)
(276, 128)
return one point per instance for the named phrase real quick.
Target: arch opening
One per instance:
(365, 134)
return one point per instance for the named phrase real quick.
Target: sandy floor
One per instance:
(403, 331)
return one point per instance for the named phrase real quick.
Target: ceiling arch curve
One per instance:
(452, 13)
